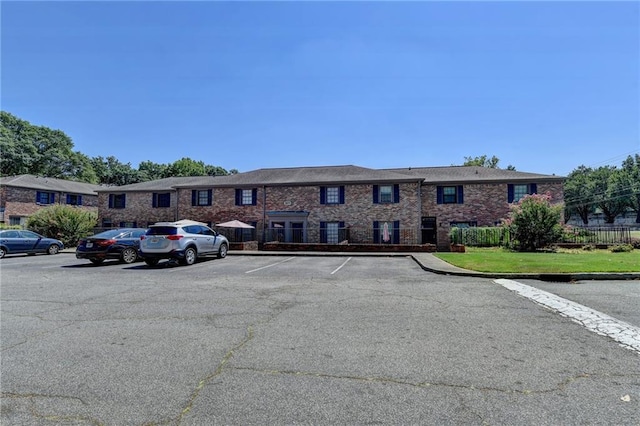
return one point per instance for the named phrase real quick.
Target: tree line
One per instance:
(41, 151)
(38, 150)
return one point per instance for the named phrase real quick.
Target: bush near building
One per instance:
(66, 223)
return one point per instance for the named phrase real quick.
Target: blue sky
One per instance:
(544, 86)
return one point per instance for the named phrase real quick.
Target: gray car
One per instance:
(185, 241)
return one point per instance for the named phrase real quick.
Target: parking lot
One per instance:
(302, 340)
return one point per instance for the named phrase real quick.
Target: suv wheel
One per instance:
(222, 253)
(190, 255)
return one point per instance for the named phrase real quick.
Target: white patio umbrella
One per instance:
(235, 224)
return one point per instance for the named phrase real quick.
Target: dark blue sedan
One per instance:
(21, 241)
(121, 244)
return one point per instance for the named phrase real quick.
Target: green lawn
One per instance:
(567, 261)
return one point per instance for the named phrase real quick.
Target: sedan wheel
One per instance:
(2, 252)
(222, 253)
(53, 249)
(190, 255)
(129, 255)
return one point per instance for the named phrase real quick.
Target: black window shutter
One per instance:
(323, 232)
(323, 195)
(460, 194)
(238, 197)
(439, 195)
(510, 194)
(38, 197)
(68, 198)
(342, 195)
(396, 193)
(124, 200)
(533, 188)
(342, 233)
(53, 198)
(154, 200)
(254, 196)
(396, 232)
(194, 197)
(111, 196)
(79, 200)
(375, 194)
(376, 232)
(209, 197)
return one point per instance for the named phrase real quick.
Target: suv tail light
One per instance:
(174, 237)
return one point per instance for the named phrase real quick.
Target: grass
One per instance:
(565, 261)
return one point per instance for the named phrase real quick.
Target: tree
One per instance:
(484, 161)
(534, 223)
(66, 223)
(187, 167)
(148, 170)
(110, 171)
(605, 187)
(630, 183)
(578, 194)
(37, 150)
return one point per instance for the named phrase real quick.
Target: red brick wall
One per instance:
(485, 204)
(22, 202)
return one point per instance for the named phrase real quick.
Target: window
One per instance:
(386, 193)
(383, 194)
(45, 197)
(332, 232)
(128, 224)
(332, 195)
(515, 192)
(201, 197)
(470, 224)
(161, 199)
(450, 194)
(15, 220)
(74, 199)
(246, 197)
(117, 201)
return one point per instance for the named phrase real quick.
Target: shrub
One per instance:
(65, 223)
(534, 223)
(621, 248)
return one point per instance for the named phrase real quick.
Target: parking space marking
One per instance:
(340, 267)
(622, 332)
(269, 266)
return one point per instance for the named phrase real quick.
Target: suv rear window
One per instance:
(162, 230)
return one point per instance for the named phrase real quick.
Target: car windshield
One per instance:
(162, 230)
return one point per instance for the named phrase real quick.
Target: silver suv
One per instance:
(185, 241)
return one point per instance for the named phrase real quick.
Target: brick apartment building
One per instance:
(23, 195)
(333, 203)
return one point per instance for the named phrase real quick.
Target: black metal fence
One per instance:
(499, 236)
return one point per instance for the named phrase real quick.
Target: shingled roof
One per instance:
(474, 174)
(309, 176)
(166, 184)
(49, 184)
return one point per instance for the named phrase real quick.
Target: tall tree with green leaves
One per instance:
(187, 167)
(578, 195)
(485, 161)
(111, 171)
(630, 183)
(605, 186)
(148, 170)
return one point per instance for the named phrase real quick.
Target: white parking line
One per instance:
(622, 332)
(269, 266)
(340, 267)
